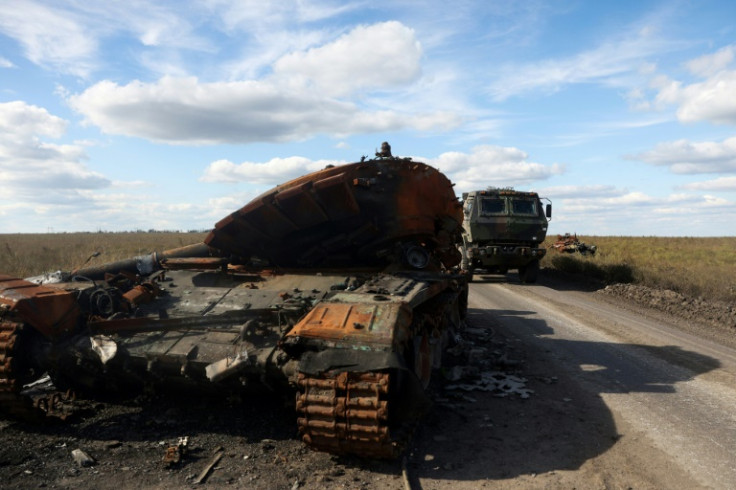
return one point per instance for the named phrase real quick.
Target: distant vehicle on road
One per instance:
(503, 230)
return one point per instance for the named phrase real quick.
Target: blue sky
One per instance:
(124, 115)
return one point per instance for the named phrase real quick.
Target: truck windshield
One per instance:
(524, 206)
(492, 206)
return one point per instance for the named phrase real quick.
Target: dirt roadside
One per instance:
(558, 436)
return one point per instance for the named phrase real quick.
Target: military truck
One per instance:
(502, 230)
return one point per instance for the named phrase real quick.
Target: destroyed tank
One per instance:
(571, 244)
(340, 286)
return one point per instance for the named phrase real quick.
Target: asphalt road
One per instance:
(671, 391)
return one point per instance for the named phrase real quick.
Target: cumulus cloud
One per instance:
(712, 99)
(367, 58)
(37, 170)
(641, 214)
(492, 165)
(6, 63)
(486, 165)
(307, 93)
(273, 172)
(686, 157)
(721, 184)
(20, 122)
(185, 110)
(581, 191)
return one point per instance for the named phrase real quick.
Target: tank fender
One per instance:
(339, 360)
(53, 312)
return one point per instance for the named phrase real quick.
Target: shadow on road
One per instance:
(474, 436)
(493, 278)
(562, 281)
(551, 278)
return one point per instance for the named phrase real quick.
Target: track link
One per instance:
(346, 413)
(12, 401)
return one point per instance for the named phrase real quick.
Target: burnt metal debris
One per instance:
(571, 244)
(340, 286)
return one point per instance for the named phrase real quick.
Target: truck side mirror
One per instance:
(548, 211)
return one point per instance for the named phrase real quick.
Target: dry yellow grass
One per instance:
(24, 255)
(692, 266)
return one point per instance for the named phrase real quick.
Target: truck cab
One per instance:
(502, 230)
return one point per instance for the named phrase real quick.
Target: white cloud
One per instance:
(250, 14)
(485, 166)
(367, 58)
(581, 191)
(50, 37)
(67, 36)
(35, 170)
(6, 63)
(187, 111)
(273, 172)
(219, 207)
(639, 214)
(686, 157)
(721, 184)
(711, 64)
(611, 64)
(713, 100)
(489, 165)
(20, 122)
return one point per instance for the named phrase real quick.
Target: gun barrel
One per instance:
(144, 264)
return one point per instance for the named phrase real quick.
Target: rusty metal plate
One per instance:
(51, 311)
(373, 323)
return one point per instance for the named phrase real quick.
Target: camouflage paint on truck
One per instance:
(502, 230)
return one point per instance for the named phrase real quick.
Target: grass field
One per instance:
(24, 255)
(692, 266)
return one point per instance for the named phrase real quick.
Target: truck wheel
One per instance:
(528, 273)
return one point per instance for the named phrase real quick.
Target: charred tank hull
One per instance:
(338, 286)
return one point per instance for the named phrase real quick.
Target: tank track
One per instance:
(347, 413)
(12, 401)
